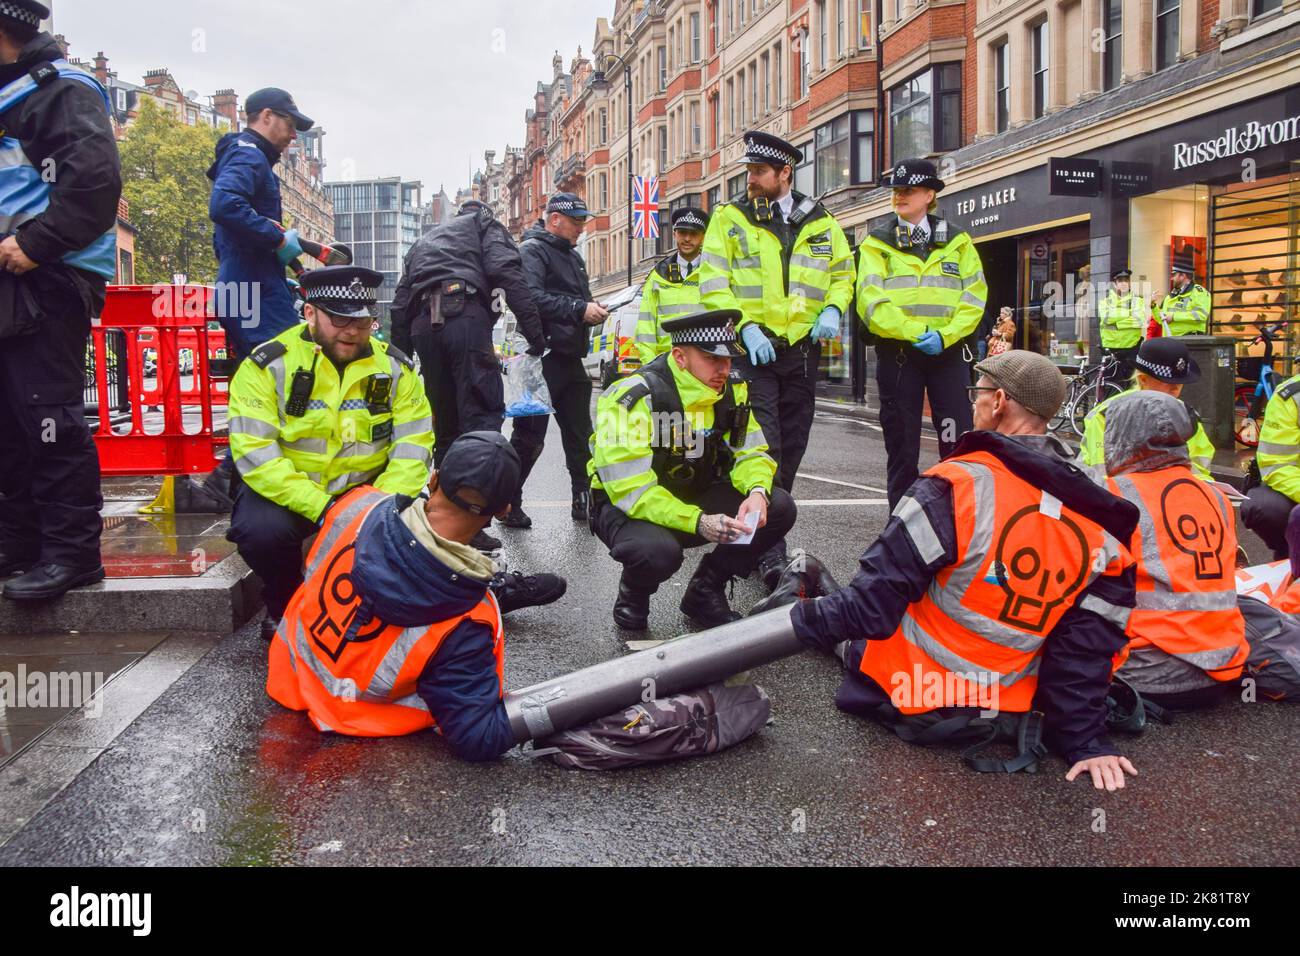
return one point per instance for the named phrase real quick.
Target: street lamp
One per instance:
(601, 85)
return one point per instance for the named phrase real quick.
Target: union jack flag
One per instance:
(645, 207)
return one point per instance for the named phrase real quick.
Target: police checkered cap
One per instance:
(716, 334)
(1028, 378)
(713, 331)
(568, 203)
(913, 172)
(354, 291)
(1167, 359)
(29, 12)
(766, 148)
(688, 219)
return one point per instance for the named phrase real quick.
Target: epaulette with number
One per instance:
(267, 352)
(633, 395)
(1291, 388)
(401, 356)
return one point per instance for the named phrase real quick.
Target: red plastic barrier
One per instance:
(166, 319)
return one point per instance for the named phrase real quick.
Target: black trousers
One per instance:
(269, 538)
(651, 554)
(571, 397)
(1124, 365)
(462, 378)
(49, 468)
(784, 397)
(904, 375)
(1266, 513)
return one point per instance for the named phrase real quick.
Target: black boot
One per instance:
(771, 564)
(50, 581)
(579, 509)
(632, 609)
(516, 518)
(267, 628)
(705, 600)
(14, 563)
(485, 542)
(514, 590)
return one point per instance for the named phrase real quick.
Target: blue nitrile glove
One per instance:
(931, 343)
(756, 344)
(827, 325)
(289, 248)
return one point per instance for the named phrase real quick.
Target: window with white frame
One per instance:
(805, 63)
(841, 29)
(766, 61)
(695, 38)
(823, 36)
(1039, 40)
(1112, 67)
(778, 94)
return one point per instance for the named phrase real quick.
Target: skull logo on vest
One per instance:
(337, 604)
(1194, 525)
(1038, 566)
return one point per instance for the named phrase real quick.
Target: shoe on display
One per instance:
(1238, 277)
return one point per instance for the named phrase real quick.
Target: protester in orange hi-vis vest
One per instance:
(394, 629)
(1187, 641)
(995, 600)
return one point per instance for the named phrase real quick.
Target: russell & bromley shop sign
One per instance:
(1236, 141)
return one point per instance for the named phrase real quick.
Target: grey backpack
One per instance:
(702, 721)
(1274, 639)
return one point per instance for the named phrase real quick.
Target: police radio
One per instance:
(300, 389)
(738, 427)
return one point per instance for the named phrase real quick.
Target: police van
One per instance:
(612, 350)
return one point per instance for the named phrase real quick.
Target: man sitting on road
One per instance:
(997, 586)
(1187, 636)
(677, 452)
(395, 629)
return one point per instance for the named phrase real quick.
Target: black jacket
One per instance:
(558, 278)
(1075, 670)
(65, 121)
(473, 247)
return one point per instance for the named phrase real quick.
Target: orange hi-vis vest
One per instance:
(1023, 560)
(366, 685)
(1186, 545)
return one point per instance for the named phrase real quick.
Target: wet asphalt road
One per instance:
(215, 773)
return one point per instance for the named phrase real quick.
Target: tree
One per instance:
(164, 179)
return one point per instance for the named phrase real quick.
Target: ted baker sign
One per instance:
(1234, 142)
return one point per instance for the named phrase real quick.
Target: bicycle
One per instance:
(1251, 398)
(1089, 388)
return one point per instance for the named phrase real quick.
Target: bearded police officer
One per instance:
(680, 460)
(1121, 317)
(1186, 309)
(314, 412)
(921, 292)
(59, 188)
(444, 310)
(782, 260)
(672, 289)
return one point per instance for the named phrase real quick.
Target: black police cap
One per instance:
(343, 290)
(27, 12)
(1167, 359)
(690, 217)
(712, 332)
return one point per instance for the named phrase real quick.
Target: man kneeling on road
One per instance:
(677, 451)
(993, 603)
(395, 629)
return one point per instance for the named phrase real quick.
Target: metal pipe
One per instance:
(684, 663)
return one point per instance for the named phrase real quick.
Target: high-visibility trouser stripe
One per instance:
(418, 426)
(1210, 660)
(351, 480)
(383, 680)
(312, 446)
(253, 427)
(811, 262)
(407, 450)
(1276, 448)
(917, 524)
(625, 503)
(1165, 599)
(809, 293)
(256, 457)
(339, 521)
(1114, 613)
(365, 449)
(716, 284)
(749, 291)
(969, 281)
(952, 661)
(622, 470)
(713, 259)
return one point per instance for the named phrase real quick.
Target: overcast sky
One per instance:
(411, 88)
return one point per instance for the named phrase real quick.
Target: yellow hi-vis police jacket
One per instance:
(902, 297)
(1278, 454)
(1121, 319)
(1186, 312)
(780, 288)
(664, 297)
(370, 426)
(623, 447)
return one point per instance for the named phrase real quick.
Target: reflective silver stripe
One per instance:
(1151, 560)
(969, 281)
(679, 310)
(713, 259)
(339, 520)
(839, 264)
(871, 279)
(1211, 660)
(244, 425)
(747, 262)
(716, 284)
(746, 291)
(941, 282)
(929, 311)
(313, 477)
(621, 470)
(901, 282)
(919, 529)
(809, 293)
(1163, 600)
(970, 298)
(396, 367)
(757, 453)
(753, 439)
(364, 449)
(741, 239)
(625, 503)
(647, 338)
(276, 368)
(385, 676)
(407, 450)
(1277, 448)
(351, 480)
(950, 660)
(256, 457)
(1112, 612)
(811, 262)
(313, 446)
(1203, 460)
(871, 307)
(419, 426)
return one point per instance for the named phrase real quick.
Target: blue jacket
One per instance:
(409, 587)
(1074, 674)
(245, 206)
